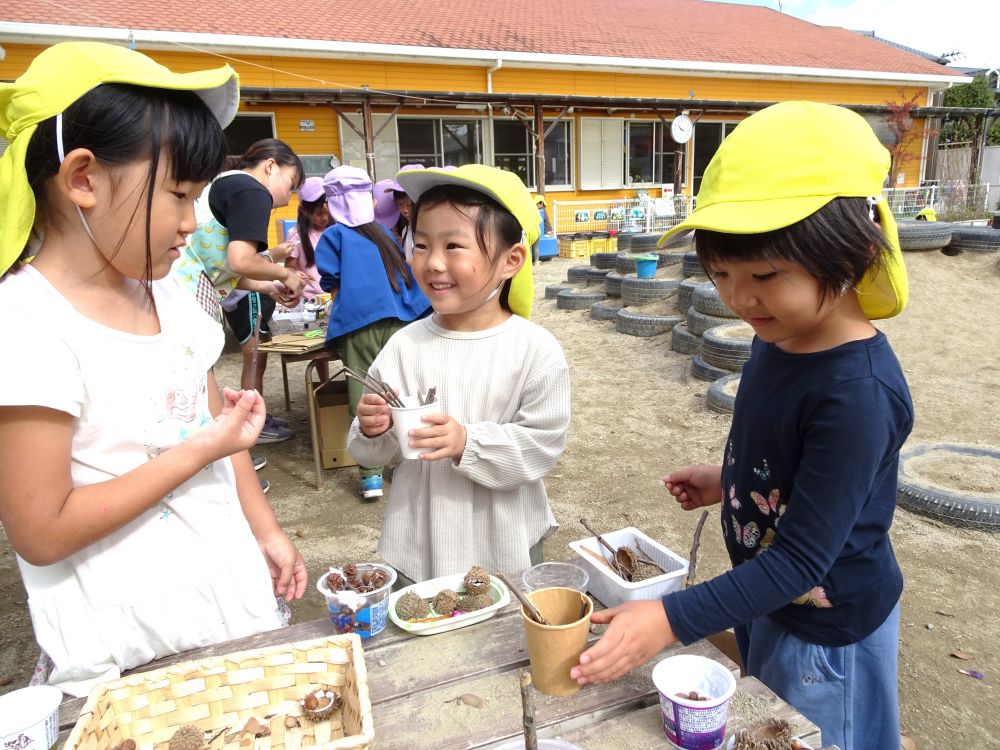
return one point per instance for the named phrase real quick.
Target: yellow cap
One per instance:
(540, 199)
(506, 189)
(927, 213)
(58, 77)
(786, 162)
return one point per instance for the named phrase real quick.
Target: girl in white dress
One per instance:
(126, 489)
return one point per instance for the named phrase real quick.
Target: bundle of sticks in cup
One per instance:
(381, 388)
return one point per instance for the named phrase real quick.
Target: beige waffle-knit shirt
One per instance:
(509, 387)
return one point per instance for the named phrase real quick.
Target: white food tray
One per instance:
(613, 590)
(429, 589)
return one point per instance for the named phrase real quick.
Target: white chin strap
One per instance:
(61, 152)
(872, 202)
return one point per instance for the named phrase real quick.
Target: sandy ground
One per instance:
(638, 413)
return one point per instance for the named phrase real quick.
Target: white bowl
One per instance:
(610, 588)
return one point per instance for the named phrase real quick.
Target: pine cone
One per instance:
(187, 737)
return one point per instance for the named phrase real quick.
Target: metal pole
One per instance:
(539, 150)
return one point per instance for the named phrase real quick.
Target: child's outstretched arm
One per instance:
(288, 569)
(368, 439)
(47, 518)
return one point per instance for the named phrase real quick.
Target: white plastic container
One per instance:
(609, 587)
(29, 718)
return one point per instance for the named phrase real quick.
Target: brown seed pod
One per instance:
(187, 737)
(772, 734)
(320, 703)
(445, 602)
(477, 580)
(336, 582)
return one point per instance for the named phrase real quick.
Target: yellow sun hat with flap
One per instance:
(506, 189)
(55, 79)
(783, 164)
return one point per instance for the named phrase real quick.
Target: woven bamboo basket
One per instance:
(220, 694)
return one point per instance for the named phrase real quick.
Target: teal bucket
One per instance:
(645, 266)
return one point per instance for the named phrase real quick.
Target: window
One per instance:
(246, 130)
(650, 154)
(514, 150)
(601, 163)
(707, 139)
(439, 142)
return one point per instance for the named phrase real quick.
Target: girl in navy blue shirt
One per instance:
(788, 231)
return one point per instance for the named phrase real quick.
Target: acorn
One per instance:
(187, 737)
(477, 580)
(445, 602)
(320, 704)
(411, 607)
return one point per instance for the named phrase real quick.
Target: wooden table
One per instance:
(294, 347)
(415, 682)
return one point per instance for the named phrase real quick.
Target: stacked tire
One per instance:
(924, 235)
(973, 240)
(707, 312)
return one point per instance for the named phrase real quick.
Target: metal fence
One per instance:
(619, 214)
(952, 200)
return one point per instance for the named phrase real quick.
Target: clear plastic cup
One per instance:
(555, 574)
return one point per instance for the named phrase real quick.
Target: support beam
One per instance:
(369, 138)
(539, 149)
(391, 115)
(351, 125)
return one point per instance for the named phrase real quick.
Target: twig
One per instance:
(643, 557)
(617, 566)
(528, 712)
(431, 619)
(533, 612)
(693, 557)
(254, 349)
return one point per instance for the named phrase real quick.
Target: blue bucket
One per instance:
(645, 266)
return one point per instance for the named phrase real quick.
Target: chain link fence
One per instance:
(619, 214)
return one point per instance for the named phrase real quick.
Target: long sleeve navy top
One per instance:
(809, 490)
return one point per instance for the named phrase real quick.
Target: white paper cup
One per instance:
(693, 724)
(409, 418)
(29, 718)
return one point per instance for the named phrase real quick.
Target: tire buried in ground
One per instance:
(692, 266)
(974, 240)
(705, 299)
(920, 495)
(606, 310)
(704, 371)
(636, 291)
(722, 393)
(635, 323)
(924, 235)
(552, 290)
(727, 346)
(698, 322)
(577, 274)
(595, 276)
(578, 299)
(613, 284)
(604, 260)
(683, 341)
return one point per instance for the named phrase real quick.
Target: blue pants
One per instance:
(849, 692)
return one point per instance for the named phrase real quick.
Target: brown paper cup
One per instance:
(555, 649)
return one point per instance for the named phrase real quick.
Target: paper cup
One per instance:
(29, 718)
(694, 724)
(409, 418)
(365, 614)
(555, 574)
(555, 649)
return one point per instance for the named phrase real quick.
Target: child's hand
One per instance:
(695, 486)
(236, 428)
(374, 416)
(288, 569)
(444, 437)
(638, 631)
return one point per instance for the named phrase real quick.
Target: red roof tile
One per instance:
(681, 30)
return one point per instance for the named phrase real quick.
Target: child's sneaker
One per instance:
(371, 487)
(259, 461)
(273, 432)
(264, 486)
